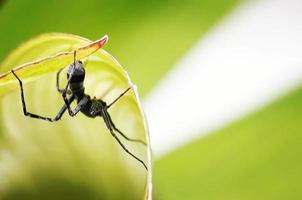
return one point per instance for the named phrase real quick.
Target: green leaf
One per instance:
(257, 157)
(75, 158)
(32, 50)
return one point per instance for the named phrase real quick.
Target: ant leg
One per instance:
(65, 97)
(121, 133)
(122, 94)
(58, 83)
(63, 109)
(32, 115)
(79, 107)
(108, 124)
(112, 124)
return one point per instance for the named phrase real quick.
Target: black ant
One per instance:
(90, 107)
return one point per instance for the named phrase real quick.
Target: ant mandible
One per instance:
(90, 107)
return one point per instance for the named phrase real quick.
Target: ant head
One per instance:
(76, 71)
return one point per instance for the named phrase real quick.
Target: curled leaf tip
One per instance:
(100, 43)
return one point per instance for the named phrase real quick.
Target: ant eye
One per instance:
(80, 62)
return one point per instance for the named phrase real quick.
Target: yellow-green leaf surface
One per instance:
(75, 158)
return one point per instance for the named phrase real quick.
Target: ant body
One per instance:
(90, 107)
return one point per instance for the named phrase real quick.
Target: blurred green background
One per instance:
(257, 157)
(140, 32)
